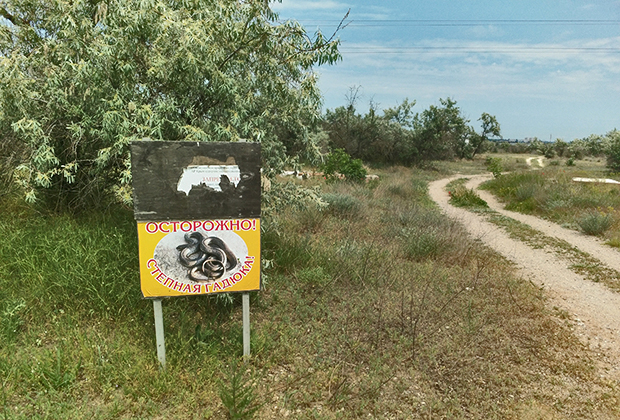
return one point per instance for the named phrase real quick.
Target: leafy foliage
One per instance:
(494, 165)
(80, 80)
(401, 136)
(613, 150)
(339, 163)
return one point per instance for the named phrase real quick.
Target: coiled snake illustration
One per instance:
(207, 257)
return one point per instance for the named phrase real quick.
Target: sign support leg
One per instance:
(159, 333)
(246, 325)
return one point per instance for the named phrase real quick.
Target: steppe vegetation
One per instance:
(592, 208)
(374, 304)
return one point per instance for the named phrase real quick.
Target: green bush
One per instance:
(81, 80)
(613, 150)
(340, 165)
(494, 165)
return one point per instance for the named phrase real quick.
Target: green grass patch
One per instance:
(550, 193)
(460, 196)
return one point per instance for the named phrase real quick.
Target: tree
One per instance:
(372, 137)
(441, 131)
(560, 147)
(79, 80)
(401, 137)
(490, 127)
(613, 150)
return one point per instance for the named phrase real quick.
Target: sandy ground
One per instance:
(540, 161)
(595, 310)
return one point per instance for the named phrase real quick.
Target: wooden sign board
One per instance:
(181, 180)
(198, 208)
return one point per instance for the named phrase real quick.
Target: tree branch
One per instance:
(13, 19)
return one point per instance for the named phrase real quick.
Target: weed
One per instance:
(615, 242)
(423, 243)
(429, 236)
(525, 192)
(287, 251)
(315, 276)
(11, 319)
(57, 373)
(311, 219)
(237, 393)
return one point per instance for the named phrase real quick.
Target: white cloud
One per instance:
(543, 86)
(596, 53)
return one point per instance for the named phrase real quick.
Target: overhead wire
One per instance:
(466, 22)
(489, 50)
(469, 23)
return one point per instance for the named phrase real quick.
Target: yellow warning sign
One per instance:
(197, 257)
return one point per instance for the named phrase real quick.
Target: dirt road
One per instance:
(595, 309)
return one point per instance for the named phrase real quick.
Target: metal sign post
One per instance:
(246, 325)
(159, 333)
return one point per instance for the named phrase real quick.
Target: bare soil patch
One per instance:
(593, 309)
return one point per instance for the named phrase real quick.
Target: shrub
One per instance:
(613, 150)
(148, 74)
(595, 223)
(494, 165)
(339, 164)
(525, 191)
(342, 204)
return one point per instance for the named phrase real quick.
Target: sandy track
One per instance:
(594, 308)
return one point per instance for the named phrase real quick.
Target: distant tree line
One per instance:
(400, 136)
(594, 145)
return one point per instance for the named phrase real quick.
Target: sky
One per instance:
(546, 69)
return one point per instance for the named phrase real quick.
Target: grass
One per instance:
(388, 310)
(460, 196)
(582, 263)
(551, 194)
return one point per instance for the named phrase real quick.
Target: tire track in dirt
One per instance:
(589, 244)
(595, 310)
